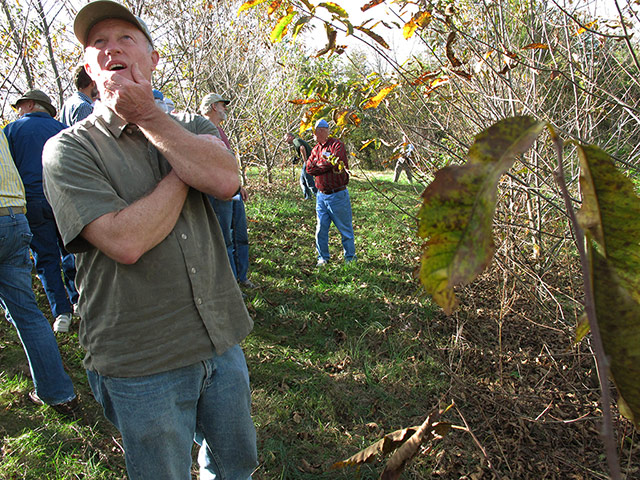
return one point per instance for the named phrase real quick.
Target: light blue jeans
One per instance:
(160, 416)
(52, 384)
(335, 208)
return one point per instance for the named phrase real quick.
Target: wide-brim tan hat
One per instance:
(97, 11)
(39, 97)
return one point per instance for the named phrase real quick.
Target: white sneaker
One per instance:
(62, 323)
(321, 262)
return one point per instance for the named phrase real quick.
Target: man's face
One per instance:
(321, 134)
(221, 110)
(113, 47)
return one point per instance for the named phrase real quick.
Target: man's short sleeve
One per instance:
(76, 188)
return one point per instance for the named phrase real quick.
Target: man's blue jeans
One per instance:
(335, 208)
(51, 258)
(240, 238)
(160, 416)
(224, 213)
(307, 183)
(52, 384)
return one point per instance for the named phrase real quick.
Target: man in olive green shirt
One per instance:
(161, 312)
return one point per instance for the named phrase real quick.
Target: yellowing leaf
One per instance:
(249, 4)
(588, 26)
(281, 27)
(419, 20)
(373, 102)
(369, 142)
(409, 29)
(457, 213)
(334, 8)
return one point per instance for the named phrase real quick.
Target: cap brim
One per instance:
(95, 12)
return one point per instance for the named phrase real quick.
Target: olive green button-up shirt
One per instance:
(180, 301)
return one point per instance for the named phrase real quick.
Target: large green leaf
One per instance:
(610, 215)
(458, 207)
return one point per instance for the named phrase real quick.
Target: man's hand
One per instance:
(131, 100)
(243, 194)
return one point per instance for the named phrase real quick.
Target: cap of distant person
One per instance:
(210, 99)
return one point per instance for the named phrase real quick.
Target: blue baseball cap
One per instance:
(322, 123)
(157, 94)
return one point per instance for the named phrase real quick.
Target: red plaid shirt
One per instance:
(328, 163)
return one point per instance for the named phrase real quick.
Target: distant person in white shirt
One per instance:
(405, 159)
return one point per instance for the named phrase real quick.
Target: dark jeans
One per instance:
(51, 259)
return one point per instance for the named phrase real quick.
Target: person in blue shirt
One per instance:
(27, 137)
(79, 105)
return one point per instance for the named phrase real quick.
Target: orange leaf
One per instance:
(274, 6)
(303, 101)
(250, 4)
(373, 102)
(588, 26)
(536, 46)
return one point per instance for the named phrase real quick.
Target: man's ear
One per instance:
(155, 58)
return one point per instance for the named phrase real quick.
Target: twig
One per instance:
(601, 361)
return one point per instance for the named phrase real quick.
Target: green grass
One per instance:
(337, 356)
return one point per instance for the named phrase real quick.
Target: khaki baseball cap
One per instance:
(210, 99)
(97, 11)
(40, 97)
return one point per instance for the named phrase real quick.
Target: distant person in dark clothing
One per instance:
(303, 150)
(79, 105)
(27, 137)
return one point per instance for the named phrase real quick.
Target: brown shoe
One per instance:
(67, 409)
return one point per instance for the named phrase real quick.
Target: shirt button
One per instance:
(199, 301)
(184, 236)
(193, 269)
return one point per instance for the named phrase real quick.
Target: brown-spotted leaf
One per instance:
(371, 4)
(381, 41)
(456, 217)
(618, 312)
(610, 214)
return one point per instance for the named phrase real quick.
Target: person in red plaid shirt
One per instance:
(328, 164)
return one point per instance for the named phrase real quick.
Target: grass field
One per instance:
(332, 360)
(342, 355)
